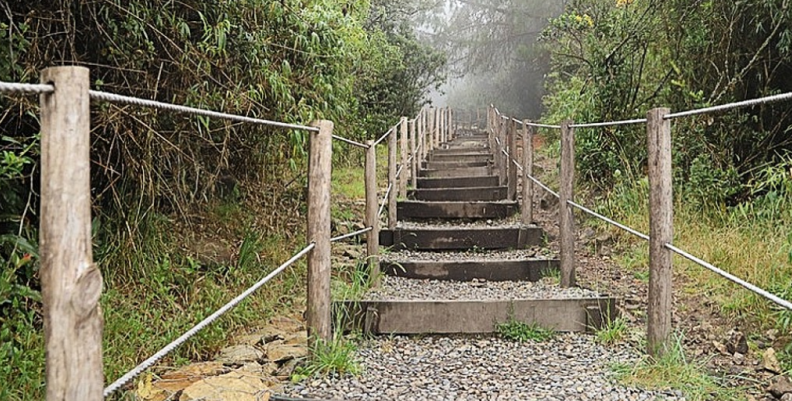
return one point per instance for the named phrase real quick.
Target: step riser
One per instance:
(461, 239)
(459, 182)
(461, 158)
(511, 270)
(479, 317)
(459, 194)
(457, 173)
(466, 146)
(451, 165)
(416, 210)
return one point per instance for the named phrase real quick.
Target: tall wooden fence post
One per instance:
(413, 154)
(430, 118)
(661, 232)
(436, 128)
(566, 193)
(392, 181)
(372, 217)
(512, 156)
(71, 283)
(403, 151)
(527, 188)
(319, 173)
(502, 167)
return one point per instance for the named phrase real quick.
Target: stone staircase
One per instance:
(460, 261)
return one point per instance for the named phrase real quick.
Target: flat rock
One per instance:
(298, 338)
(781, 385)
(770, 361)
(285, 352)
(172, 382)
(237, 386)
(286, 324)
(239, 355)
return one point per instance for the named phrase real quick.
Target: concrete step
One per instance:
(451, 165)
(421, 210)
(475, 194)
(478, 317)
(461, 238)
(456, 173)
(461, 157)
(488, 269)
(459, 182)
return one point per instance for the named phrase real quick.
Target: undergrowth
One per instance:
(674, 370)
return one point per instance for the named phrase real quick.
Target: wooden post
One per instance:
(661, 232)
(512, 156)
(451, 129)
(566, 193)
(392, 181)
(436, 134)
(403, 153)
(415, 157)
(527, 188)
(372, 217)
(422, 136)
(319, 173)
(502, 167)
(71, 284)
(430, 117)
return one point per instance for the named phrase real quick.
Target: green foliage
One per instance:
(674, 370)
(334, 356)
(613, 332)
(516, 330)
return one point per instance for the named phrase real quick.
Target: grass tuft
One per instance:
(516, 330)
(613, 332)
(675, 371)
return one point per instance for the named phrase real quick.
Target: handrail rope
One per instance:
(16, 87)
(114, 98)
(184, 337)
(535, 180)
(530, 124)
(350, 235)
(398, 172)
(729, 106)
(609, 124)
(728, 276)
(610, 221)
(351, 142)
(382, 138)
(385, 199)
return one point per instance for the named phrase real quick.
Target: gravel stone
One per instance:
(400, 288)
(568, 367)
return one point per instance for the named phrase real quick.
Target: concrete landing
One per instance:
(490, 270)
(461, 238)
(477, 317)
(421, 210)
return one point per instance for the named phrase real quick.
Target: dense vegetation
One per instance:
(189, 209)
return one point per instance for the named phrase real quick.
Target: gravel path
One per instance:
(402, 289)
(568, 367)
(511, 222)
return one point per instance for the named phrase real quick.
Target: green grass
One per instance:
(515, 330)
(334, 356)
(675, 370)
(613, 332)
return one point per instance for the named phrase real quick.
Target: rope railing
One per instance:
(351, 142)
(386, 135)
(352, 234)
(198, 327)
(33, 89)
(134, 101)
(385, 200)
(658, 135)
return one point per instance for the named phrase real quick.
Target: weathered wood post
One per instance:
(661, 232)
(392, 181)
(512, 156)
(502, 166)
(422, 137)
(372, 217)
(413, 153)
(403, 153)
(566, 194)
(451, 128)
(527, 188)
(319, 172)
(430, 117)
(436, 134)
(71, 283)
